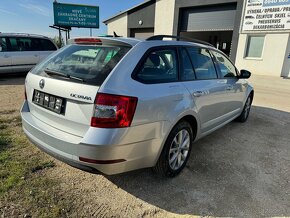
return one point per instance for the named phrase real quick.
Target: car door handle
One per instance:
(198, 93)
(229, 88)
(35, 55)
(6, 56)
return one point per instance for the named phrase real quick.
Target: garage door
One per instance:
(142, 33)
(216, 17)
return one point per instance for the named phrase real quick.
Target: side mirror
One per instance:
(0, 48)
(244, 74)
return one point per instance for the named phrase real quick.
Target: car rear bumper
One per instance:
(69, 148)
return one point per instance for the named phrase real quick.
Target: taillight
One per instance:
(113, 111)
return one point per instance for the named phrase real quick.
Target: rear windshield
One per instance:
(91, 64)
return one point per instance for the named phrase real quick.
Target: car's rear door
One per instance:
(201, 80)
(160, 93)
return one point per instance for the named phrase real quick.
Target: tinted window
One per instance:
(24, 44)
(92, 63)
(3, 45)
(227, 69)
(47, 45)
(35, 44)
(187, 70)
(13, 44)
(159, 66)
(202, 63)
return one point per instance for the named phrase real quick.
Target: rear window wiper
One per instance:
(56, 73)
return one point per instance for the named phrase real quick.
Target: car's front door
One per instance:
(233, 87)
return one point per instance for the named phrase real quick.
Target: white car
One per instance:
(21, 52)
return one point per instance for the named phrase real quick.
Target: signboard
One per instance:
(267, 15)
(70, 15)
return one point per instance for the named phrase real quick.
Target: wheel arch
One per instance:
(191, 119)
(252, 93)
(193, 123)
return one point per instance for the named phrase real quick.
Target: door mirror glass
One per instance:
(0, 48)
(244, 74)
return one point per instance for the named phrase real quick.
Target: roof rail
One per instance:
(178, 38)
(24, 34)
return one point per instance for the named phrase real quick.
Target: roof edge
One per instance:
(123, 12)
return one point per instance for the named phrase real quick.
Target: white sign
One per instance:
(267, 15)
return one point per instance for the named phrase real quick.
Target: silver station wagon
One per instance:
(113, 105)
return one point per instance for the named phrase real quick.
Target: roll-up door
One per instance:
(209, 18)
(142, 33)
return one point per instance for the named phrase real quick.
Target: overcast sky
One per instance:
(35, 16)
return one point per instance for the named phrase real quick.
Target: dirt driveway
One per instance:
(239, 170)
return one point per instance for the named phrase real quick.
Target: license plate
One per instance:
(48, 101)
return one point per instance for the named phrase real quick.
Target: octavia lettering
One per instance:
(81, 97)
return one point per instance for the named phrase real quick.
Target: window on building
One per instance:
(255, 46)
(160, 66)
(202, 63)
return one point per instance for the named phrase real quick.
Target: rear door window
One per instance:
(26, 44)
(187, 68)
(14, 46)
(159, 66)
(202, 63)
(47, 45)
(36, 44)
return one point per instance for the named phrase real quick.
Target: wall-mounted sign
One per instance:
(70, 15)
(267, 15)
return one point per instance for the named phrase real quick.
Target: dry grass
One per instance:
(24, 187)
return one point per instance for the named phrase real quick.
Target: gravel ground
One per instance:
(239, 170)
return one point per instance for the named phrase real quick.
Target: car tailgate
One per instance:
(77, 102)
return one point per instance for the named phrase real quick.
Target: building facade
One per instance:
(254, 33)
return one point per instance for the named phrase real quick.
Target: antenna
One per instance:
(115, 34)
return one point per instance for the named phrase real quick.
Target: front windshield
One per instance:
(91, 63)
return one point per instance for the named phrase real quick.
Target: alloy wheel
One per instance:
(179, 149)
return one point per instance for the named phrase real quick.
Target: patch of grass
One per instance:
(4, 157)
(4, 139)
(3, 126)
(4, 112)
(45, 193)
(23, 182)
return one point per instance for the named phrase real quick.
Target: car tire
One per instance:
(246, 110)
(176, 150)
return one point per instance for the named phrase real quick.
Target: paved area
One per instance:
(239, 170)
